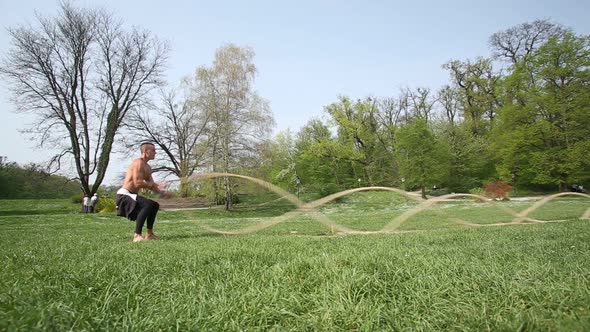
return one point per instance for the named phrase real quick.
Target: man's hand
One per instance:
(161, 190)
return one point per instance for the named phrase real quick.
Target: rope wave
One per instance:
(311, 208)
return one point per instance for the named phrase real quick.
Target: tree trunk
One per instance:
(562, 186)
(103, 162)
(184, 187)
(228, 193)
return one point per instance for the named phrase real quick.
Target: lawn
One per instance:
(63, 270)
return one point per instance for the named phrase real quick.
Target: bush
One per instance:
(498, 190)
(328, 189)
(477, 191)
(76, 199)
(106, 205)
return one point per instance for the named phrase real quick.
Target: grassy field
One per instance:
(62, 270)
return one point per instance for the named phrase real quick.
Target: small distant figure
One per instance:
(578, 188)
(93, 202)
(85, 204)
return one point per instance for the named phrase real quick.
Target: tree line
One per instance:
(519, 115)
(32, 181)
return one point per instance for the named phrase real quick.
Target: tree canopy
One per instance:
(519, 115)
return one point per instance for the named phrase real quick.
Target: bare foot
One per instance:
(151, 237)
(138, 237)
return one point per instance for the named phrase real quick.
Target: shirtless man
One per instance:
(133, 206)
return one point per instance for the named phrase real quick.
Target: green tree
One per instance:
(282, 160)
(470, 157)
(422, 159)
(317, 170)
(363, 141)
(544, 132)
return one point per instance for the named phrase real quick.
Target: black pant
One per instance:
(147, 210)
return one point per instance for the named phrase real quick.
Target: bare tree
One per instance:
(389, 112)
(476, 81)
(515, 43)
(388, 116)
(80, 73)
(419, 102)
(449, 98)
(179, 129)
(240, 118)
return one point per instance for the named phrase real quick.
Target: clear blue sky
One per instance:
(307, 52)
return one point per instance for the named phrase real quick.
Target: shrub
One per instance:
(76, 199)
(498, 190)
(479, 192)
(328, 189)
(105, 205)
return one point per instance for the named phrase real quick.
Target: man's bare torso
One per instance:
(138, 171)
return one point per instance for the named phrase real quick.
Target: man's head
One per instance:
(148, 151)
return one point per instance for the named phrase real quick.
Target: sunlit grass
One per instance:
(71, 271)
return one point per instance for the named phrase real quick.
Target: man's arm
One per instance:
(155, 188)
(142, 178)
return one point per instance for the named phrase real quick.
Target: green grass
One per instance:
(13, 207)
(63, 270)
